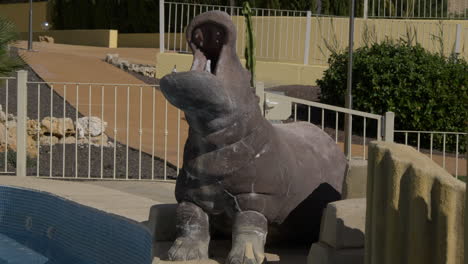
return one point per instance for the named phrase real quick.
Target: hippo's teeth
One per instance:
(208, 66)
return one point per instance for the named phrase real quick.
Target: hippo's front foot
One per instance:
(193, 235)
(248, 238)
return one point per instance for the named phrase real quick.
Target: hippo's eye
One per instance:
(209, 38)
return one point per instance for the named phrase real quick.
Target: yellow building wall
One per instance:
(19, 15)
(282, 39)
(151, 40)
(99, 38)
(272, 73)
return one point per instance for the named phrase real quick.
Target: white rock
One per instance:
(112, 58)
(93, 126)
(3, 116)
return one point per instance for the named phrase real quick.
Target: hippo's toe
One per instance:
(185, 249)
(246, 253)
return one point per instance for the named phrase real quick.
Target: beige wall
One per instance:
(283, 38)
(415, 209)
(19, 15)
(286, 41)
(138, 40)
(99, 38)
(272, 73)
(151, 40)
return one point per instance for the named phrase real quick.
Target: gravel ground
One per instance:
(82, 150)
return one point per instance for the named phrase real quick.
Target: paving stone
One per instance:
(343, 224)
(323, 254)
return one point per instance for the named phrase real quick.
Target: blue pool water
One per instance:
(40, 228)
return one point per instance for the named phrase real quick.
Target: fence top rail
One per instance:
(98, 84)
(326, 106)
(7, 78)
(417, 18)
(236, 7)
(430, 132)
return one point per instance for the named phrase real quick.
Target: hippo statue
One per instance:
(237, 165)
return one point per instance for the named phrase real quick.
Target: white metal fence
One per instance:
(331, 120)
(424, 9)
(276, 29)
(436, 145)
(142, 139)
(145, 135)
(302, 37)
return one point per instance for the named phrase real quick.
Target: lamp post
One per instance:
(349, 97)
(30, 39)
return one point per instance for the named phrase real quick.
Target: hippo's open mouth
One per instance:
(208, 40)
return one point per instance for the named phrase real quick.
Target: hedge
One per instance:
(427, 91)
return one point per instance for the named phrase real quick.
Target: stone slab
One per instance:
(343, 224)
(161, 222)
(323, 254)
(355, 183)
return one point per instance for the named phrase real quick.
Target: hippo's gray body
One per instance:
(236, 163)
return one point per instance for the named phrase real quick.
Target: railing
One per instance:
(146, 135)
(319, 113)
(8, 133)
(276, 29)
(436, 145)
(143, 140)
(302, 37)
(424, 9)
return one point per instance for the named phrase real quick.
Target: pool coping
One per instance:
(104, 199)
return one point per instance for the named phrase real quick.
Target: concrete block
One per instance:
(415, 208)
(161, 222)
(355, 182)
(343, 224)
(323, 254)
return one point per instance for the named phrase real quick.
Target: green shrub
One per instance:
(8, 35)
(427, 92)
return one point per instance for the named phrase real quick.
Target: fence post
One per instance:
(366, 9)
(457, 40)
(21, 132)
(260, 92)
(389, 126)
(307, 39)
(161, 26)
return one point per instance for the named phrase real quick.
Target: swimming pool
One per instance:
(41, 228)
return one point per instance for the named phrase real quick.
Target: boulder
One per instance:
(112, 58)
(67, 140)
(32, 127)
(48, 140)
(59, 127)
(343, 224)
(3, 116)
(8, 136)
(96, 141)
(90, 126)
(31, 148)
(47, 39)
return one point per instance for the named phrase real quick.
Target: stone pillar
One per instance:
(415, 209)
